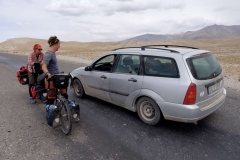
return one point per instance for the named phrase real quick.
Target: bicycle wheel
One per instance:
(65, 118)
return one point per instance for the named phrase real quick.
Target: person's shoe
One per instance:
(31, 100)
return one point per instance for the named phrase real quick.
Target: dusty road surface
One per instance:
(107, 131)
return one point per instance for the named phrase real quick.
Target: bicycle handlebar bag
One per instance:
(60, 81)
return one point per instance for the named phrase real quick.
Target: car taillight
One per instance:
(190, 97)
(204, 54)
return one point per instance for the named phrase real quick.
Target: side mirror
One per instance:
(88, 68)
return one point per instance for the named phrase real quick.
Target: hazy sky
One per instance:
(111, 20)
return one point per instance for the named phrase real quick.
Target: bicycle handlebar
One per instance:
(59, 74)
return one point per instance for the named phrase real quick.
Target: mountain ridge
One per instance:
(209, 32)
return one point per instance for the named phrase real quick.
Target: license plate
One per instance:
(214, 87)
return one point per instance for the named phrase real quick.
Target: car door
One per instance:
(97, 79)
(125, 81)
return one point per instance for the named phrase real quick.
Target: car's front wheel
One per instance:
(78, 88)
(148, 111)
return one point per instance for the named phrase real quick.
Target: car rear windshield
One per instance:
(204, 66)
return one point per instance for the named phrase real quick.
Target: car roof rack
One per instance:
(143, 48)
(167, 46)
(124, 48)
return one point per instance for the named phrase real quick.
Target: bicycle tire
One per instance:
(65, 115)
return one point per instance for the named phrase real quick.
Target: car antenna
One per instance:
(127, 42)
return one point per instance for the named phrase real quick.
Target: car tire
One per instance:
(78, 88)
(148, 111)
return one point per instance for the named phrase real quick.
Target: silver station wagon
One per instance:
(158, 82)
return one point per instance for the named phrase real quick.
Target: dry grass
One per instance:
(226, 50)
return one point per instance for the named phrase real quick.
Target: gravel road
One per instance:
(107, 131)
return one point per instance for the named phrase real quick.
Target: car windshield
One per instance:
(204, 66)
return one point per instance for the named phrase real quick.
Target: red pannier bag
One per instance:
(51, 90)
(22, 75)
(34, 93)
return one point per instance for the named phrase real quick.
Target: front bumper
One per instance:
(71, 80)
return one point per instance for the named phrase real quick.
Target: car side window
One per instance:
(129, 64)
(104, 64)
(160, 66)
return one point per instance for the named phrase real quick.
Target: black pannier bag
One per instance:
(24, 77)
(60, 81)
(37, 68)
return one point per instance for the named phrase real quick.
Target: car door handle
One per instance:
(132, 79)
(104, 77)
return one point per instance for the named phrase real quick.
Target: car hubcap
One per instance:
(147, 111)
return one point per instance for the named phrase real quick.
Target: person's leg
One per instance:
(51, 91)
(64, 93)
(31, 84)
(29, 89)
(39, 94)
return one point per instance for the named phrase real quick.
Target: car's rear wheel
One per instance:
(78, 88)
(148, 111)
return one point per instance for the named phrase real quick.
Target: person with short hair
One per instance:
(34, 60)
(49, 63)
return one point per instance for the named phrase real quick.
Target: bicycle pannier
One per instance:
(22, 75)
(36, 68)
(53, 116)
(75, 110)
(60, 81)
(51, 90)
(33, 91)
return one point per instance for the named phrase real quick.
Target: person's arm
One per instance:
(46, 59)
(40, 58)
(45, 70)
(30, 62)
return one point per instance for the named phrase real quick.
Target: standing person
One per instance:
(34, 60)
(49, 63)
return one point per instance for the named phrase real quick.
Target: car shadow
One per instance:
(215, 124)
(135, 120)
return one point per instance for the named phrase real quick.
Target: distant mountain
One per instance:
(209, 32)
(152, 37)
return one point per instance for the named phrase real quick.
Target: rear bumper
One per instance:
(190, 113)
